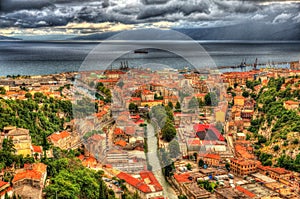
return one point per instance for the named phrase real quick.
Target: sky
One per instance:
(79, 17)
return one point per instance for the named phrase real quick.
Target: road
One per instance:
(155, 163)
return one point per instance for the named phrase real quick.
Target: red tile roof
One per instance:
(212, 156)
(2, 183)
(279, 170)
(136, 99)
(181, 178)
(153, 181)
(121, 143)
(37, 149)
(29, 174)
(118, 131)
(142, 184)
(245, 191)
(58, 136)
(80, 157)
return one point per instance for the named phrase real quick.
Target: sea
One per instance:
(48, 57)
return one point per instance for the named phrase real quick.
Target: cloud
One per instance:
(282, 18)
(142, 13)
(258, 17)
(297, 18)
(173, 7)
(12, 5)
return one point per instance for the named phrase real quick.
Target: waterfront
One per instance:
(35, 58)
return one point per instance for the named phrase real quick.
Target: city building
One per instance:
(147, 186)
(21, 139)
(29, 182)
(212, 160)
(243, 167)
(63, 140)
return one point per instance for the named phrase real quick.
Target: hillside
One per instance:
(7, 38)
(276, 126)
(251, 32)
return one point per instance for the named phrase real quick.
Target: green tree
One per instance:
(168, 131)
(174, 149)
(2, 91)
(276, 148)
(201, 163)
(170, 104)
(245, 94)
(28, 95)
(210, 99)
(177, 106)
(188, 166)
(133, 107)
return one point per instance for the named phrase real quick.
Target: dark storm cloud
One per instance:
(41, 13)
(12, 5)
(155, 2)
(173, 7)
(237, 6)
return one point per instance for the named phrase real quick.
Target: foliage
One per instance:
(39, 115)
(133, 107)
(174, 149)
(69, 179)
(164, 118)
(177, 106)
(210, 99)
(201, 163)
(209, 186)
(170, 104)
(188, 166)
(288, 163)
(168, 131)
(2, 90)
(245, 94)
(101, 88)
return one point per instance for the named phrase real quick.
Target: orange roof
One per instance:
(213, 156)
(245, 191)
(90, 161)
(153, 181)
(122, 143)
(2, 183)
(40, 167)
(118, 131)
(136, 99)
(145, 91)
(29, 174)
(109, 72)
(290, 102)
(80, 157)
(142, 185)
(279, 170)
(37, 149)
(108, 80)
(58, 136)
(181, 178)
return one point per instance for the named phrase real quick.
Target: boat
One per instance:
(141, 51)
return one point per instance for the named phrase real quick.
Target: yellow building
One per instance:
(239, 100)
(152, 103)
(21, 139)
(220, 116)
